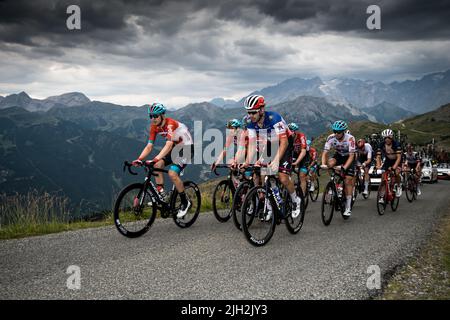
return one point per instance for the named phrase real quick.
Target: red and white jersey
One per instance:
(173, 131)
(300, 142)
(344, 147)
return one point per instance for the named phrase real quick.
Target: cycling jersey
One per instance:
(344, 147)
(365, 153)
(232, 139)
(390, 152)
(312, 154)
(412, 157)
(173, 131)
(299, 143)
(273, 129)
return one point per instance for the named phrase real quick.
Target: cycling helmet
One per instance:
(156, 109)
(234, 123)
(293, 126)
(254, 102)
(387, 133)
(339, 126)
(308, 142)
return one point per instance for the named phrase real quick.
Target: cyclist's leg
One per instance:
(349, 184)
(179, 160)
(303, 175)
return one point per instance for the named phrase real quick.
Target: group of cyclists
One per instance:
(265, 138)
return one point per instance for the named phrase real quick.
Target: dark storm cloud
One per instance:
(400, 19)
(25, 22)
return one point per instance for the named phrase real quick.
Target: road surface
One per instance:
(212, 260)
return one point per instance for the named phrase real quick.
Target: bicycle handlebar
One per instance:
(147, 164)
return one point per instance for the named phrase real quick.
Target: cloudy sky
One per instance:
(177, 52)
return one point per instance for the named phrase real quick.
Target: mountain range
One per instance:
(70, 145)
(416, 96)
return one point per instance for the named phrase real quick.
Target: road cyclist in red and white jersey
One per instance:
(344, 145)
(176, 153)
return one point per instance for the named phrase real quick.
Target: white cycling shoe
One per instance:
(298, 205)
(182, 212)
(347, 212)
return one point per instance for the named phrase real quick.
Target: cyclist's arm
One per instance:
(147, 150)
(397, 162)
(251, 151)
(281, 149)
(165, 151)
(325, 158)
(300, 157)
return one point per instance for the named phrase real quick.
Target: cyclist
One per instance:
(392, 151)
(263, 128)
(232, 139)
(178, 139)
(312, 163)
(242, 151)
(344, 145)
(301, 156)
(364, 160)
(413, 161)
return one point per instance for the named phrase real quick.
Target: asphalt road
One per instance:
(212, 260)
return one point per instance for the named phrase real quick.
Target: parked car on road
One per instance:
(429, 171)
(443, 170)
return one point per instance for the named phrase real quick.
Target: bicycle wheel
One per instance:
(381, 206)
(294, 224)
(258, 225)
(193, 194)
(238, 201)
(394, 203)
(328, 203)
(409, 190)
(134, 211)
(222, 201)
(314, 194)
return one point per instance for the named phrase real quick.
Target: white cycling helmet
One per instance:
(254, 102)
(387, 133)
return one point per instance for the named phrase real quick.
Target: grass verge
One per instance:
(427, 275)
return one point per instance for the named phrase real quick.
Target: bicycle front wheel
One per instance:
(222, 201)
(328, 203)
(294, 224)
(134, 211)
(409, 190)
(238, 201)
(258, 223)
(314, 194)
(381, 198)
(193, 194)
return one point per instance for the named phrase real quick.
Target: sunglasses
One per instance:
(335, 131)
(252, 112)
(154, 116)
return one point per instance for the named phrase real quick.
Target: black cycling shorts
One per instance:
(341, 160)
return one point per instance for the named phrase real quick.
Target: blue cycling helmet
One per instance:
(339, 126)
(308, 142)
(293, 126)
(234, 123)
(156, 109)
